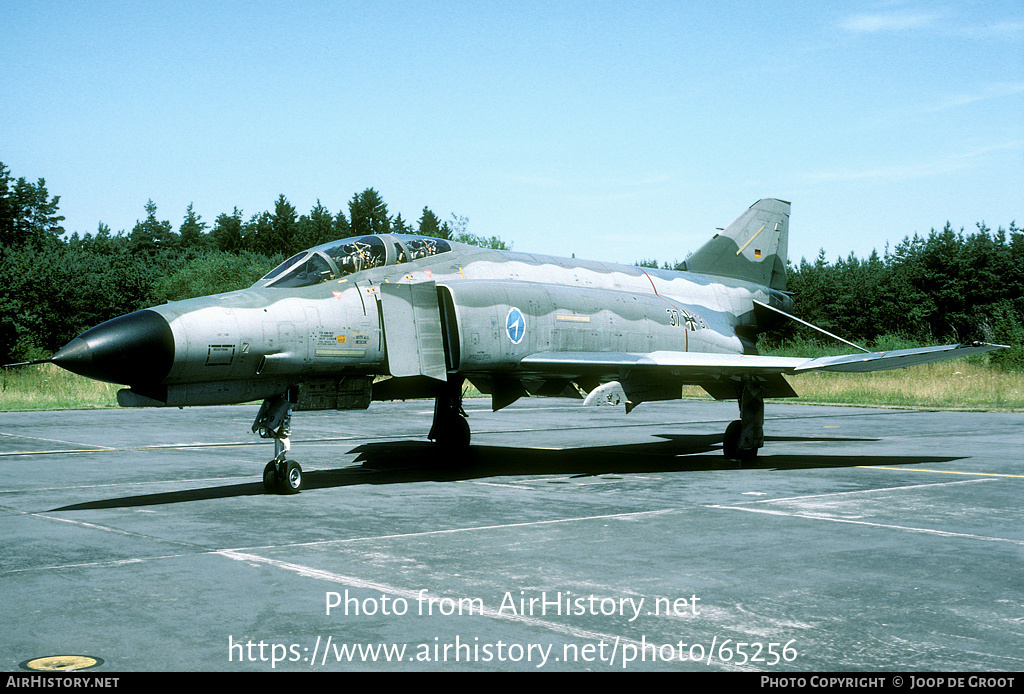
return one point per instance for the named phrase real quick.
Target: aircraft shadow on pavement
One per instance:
(402, 462)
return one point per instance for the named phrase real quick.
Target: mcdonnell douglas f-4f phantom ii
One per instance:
(431, 314)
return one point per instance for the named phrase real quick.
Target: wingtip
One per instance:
(986, 345)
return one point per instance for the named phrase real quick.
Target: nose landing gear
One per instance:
(280, 476)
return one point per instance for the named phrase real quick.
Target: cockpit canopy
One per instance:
(336, 259)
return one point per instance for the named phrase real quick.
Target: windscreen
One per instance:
(284, 266)
(313, 270)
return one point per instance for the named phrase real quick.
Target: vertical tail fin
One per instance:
(754, 248)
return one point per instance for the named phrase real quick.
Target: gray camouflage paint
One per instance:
(253, 343)
(512, 323)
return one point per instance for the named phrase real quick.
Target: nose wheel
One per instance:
(282, 477)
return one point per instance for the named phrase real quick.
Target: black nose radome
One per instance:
(134, 349)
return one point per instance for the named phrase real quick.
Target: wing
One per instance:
(695, 364)
(698, 364)
(653, 375)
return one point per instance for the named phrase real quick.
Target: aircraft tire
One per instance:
(731, 443)
(292, 481)
(454, 435)
(732, 439)
(288, 483)
(270, 477)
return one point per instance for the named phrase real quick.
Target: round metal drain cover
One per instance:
(56, 663)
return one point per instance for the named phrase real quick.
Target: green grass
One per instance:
(949, 385)
(969, 383)
(49, 387)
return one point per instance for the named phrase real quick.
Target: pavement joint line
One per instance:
(497, 484)
(941, 472)
(105, 528)
(39, 438)
(446, 531)
(101, 564)
(141, 483)
(885, 526)
(858, 491)
(159, 447)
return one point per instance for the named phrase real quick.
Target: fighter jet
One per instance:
(393, 316)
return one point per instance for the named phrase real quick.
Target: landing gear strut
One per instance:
(274, 422)
(450, 429)
(745, 435)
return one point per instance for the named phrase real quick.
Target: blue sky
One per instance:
(612, 130)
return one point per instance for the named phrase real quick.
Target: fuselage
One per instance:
(495, 308)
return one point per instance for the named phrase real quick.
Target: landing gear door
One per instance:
(412, 330)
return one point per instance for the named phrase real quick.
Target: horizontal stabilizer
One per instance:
(894, 359)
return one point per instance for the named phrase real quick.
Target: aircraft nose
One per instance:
(134, 349)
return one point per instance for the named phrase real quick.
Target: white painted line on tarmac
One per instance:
(925, 531)
(887, 526)
(858, 491)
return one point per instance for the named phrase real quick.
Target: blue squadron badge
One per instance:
(515, 325)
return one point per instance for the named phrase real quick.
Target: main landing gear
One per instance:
(745, 435)
(450, 430)
(273, 421)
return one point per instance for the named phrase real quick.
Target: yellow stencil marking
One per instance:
(750, 239)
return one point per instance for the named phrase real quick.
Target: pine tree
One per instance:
(430, 225)
(398, 225)
(227, 232)
(368, 214)
(315, 229)
(151, 236)
(342, 228)
(28, 215)
(190, 233)
(284, 225)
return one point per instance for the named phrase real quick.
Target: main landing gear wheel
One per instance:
(745, 435)
(731, 444)
(452, 434)
(282, 477)
(450, 430)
